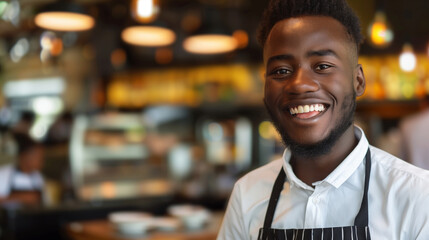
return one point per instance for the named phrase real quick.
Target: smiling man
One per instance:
(330, 183)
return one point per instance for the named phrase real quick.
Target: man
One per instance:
(330, 183)
(22, 182)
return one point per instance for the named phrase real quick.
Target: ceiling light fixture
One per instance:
(381, 35)
(149, 36)
(145, 11)
(64, 16)
(213, 35)
(210, 44)
(407, 58)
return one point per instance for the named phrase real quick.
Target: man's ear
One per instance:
(359, 81)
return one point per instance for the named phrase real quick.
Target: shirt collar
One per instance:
(341, 173)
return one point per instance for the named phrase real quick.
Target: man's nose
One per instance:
(303, 81)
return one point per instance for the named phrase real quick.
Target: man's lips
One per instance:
(308, 110)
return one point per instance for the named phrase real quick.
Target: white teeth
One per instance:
(307, 108)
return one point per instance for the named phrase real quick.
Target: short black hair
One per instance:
(278, 10)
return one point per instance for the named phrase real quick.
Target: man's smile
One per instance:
(307, 111)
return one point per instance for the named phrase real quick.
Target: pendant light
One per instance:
(154, 35)
(379, 31)
(407, 58)
(64, 16)
(212, 37)
(210, 44)
(145, 11)
(148, 36)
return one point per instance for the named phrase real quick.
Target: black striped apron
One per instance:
(360, 229)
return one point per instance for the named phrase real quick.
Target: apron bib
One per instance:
(35, 191)
(360, 229)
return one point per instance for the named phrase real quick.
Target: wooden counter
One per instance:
(102, 229)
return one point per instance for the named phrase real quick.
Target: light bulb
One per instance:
(381, 35)
(407, 59)
(144, 11)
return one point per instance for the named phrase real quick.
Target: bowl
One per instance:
(131, 223)
(166, 224)
(192, 216)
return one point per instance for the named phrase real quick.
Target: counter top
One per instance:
(105, 230)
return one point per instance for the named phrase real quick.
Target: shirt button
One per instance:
(315, 200)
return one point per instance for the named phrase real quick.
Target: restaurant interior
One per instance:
(148, 111)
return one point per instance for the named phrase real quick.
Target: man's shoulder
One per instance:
(395, 169)
(400, 189)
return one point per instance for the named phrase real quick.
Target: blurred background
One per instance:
(140, 105)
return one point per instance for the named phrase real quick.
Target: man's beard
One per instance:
(325, 145)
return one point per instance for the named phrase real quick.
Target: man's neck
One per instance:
(319, 167)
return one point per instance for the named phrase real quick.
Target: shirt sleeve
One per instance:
(233, 223)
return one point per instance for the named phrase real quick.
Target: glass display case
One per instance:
(110, 160)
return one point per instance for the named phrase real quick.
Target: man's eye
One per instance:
(280, 72)
(323, 66)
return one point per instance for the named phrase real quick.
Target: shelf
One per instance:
(388, 109)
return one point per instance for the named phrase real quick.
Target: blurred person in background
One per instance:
(414, 136)
(330, 183)
(24, 124)
(22, 181)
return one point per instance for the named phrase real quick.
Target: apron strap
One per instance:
(275, 195)
(361, 219)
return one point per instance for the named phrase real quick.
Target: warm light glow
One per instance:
(242, 38)
(64, 21)
(145, 8)
(118, 57)
(144, 11)
(267, 130)
(210, 44)
(407, 59)
(380, 33)
(163, 55)
(108, 189)
(148, 36)
(57, 47)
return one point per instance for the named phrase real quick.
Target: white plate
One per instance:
(192, 216)
(132, 223)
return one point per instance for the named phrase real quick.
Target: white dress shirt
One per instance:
(398, 198)
(11, 178)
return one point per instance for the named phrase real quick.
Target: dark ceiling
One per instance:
(408, 19)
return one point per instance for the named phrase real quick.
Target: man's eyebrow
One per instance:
(279, 57)
(321, 53)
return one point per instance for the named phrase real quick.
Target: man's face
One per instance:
(312, 80)
(32, 160)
